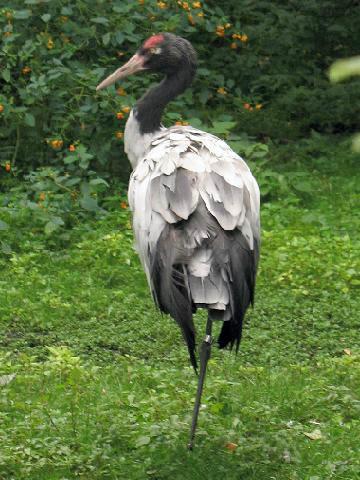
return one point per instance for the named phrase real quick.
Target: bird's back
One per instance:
(196, 222)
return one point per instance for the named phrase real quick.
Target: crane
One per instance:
(195, 207)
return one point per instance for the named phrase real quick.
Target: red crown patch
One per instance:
(153, 41)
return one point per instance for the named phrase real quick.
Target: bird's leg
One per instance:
(204, 357)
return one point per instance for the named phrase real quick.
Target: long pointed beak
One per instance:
(135, 64)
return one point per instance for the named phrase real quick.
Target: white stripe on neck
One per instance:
(136, 144)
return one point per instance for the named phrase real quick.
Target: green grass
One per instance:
(103, 387)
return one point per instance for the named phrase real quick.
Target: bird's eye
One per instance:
(155, 50)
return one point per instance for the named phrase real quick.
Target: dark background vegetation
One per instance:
(94, 383)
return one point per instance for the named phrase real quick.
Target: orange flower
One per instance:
(123, 205)
(72, 148)
(7, 167)
(234, 45)
(185, 6)
(247, 106)
(56, 144)
(244, 38)
(196, 5)
(259, 106)
(1, 108)
(191, 19)
(120, 91)
(26, 70)
(119, 115)
(227, 25)
(42, 196)
(221, 91)
(220, 31)
(119, 135)
(162, 5)
(126, 109)
(236, 36)
(200, 14)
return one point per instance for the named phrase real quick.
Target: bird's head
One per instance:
(163, 53)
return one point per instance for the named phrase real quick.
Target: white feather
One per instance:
(174, 169)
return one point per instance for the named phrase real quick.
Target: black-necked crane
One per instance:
(195, 207)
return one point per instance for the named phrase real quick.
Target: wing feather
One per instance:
(196, 216)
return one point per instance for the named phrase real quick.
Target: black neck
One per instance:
(150, 107)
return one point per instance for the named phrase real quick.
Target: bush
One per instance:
(262, 72)
(275, 56)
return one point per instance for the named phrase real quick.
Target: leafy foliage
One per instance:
(54, 54)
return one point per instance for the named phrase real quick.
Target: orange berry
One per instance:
(227, 25)
(162, 5)
(120, 91)
(244, 38)
(185, 6)
(123, 205)
(221, 91)
(196, 5)
(1, 108)
(26, 70)
(119, 115)
(126, 109)
(7, 167)
(200, 14)
(247, 106)
(234, 46)
(119, 135)
(42, 196)
(72, 148)
(259, 106)
(50, 44)
(178, 123)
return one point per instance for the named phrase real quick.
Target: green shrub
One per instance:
(251, 54)
(262, 73)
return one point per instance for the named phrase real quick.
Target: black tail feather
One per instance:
(170, 287)
(171, 292)
(242, 267)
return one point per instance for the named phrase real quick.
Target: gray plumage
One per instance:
(195, 210)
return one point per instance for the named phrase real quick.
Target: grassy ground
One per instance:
(103, 389)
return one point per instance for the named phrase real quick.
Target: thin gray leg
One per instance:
(204, 357)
